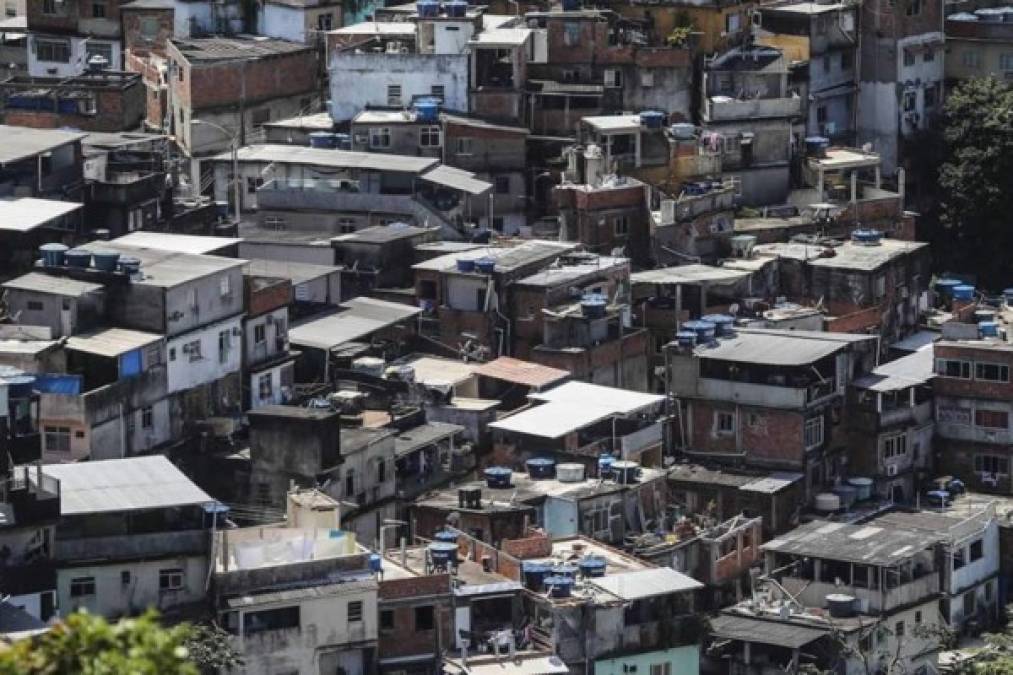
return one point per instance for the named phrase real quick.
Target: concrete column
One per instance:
(854, 187)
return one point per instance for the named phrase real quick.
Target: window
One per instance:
(646, 78)
(929, 96)
(424, 618)
(613, 78)
(350, 483)
(813, 433)
(894, 446)
(346, 225)
(82, 586)
(270, 619)
(918, 617)
(991, 372)
(1006, 62)
(914, 7)
(970, 59)
(929, 56)
(49, 6)
(732, 23)
(991, 464)
(991, 419)
(252, 183)
(661, 669)
(260, 333)
(355, 611)
(325, 21)
(502, 185)
(98, 10)
(724, 422)
(394, 94)
(54, 51)
(170, 579)
(125, 577)
(898, 629)
(429, 137)
(438, 91)
(379, 137)
(386, 619)
(35, 306)
(988, 591)
(821, 114)
(57, 439)
(265, 386)
(953, 368)
(571, 34)
(621, 225)
(464, 145)
(909, 57)
(497, 223)
(223, 346)
(147, 418)
(977, 550)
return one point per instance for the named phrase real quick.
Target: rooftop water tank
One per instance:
(988, 328)
(105, 261)
(443, 553)
(498, 476)
(456, 8)
(625, 472)
(342, 141)
(686, 338)
(427, 8)
(571, 5)
(77, 257)
(446, 536)
(375, 562)
(565, 570)
(946, 286)
(129, 265)
(322, 139)
(848, 494)
(816, 146)
(53, 254)
(827, 502)
(724, 324)
(984, 315)
(541, 467)
(485, 265)
(559, 587)
(428, 109)
(605, 462)
(652, 119)
(534, 575)
(465, 265)
(19, 386)
(866, 237)
(705, 330)
(570, 472)
(592, 566)
(593, 305)
(841, 605)
(963, 292)
(863, 487)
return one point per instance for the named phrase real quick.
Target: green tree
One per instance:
(976, 181)
(84, 644)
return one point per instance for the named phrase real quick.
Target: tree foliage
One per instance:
(84, 644)
(976, 181)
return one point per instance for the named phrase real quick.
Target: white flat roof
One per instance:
(552, 420)
(502, 37)
(111, 341)
(688, 274)
(377, 28)
(437, 372)
(646, 583)
(613, 122)
(131, 484)
(27, 213)
(178, 243)
(363, 317)
(617, 401)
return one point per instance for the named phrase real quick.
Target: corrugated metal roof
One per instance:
(688, 274)
(339, 159)
(45, 283)
(771, 348)
(111, 341)
(296, 272)
(646, 583)
(423, 435)
(457, 179)
(618, 401)
(27, 214)
(179, 243)
(772, 483)
(552, 420)
(22, 142)
(364, 317)
(908, 371)
(131, 484)
(517, 371)
(764, 631)
(866, 544)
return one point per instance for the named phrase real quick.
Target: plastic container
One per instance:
(446, 536)
(724, 324)
(963, 292)
(686, 338)
(705, 330)
(945, 286)
(683, 131)
(428, 109)
(498, 477)
(570, 472)
(443, 553)
(866, 236)
(571, 5)
(465, 265)
(816, 146)
(322, 139)
(652, 119)
(988, 328)
(559, 587)
(863, 487)
(592, 566)
(534, 575)
(625, 472)
(485, 265)
(605, 463)
(375, 562)
(593, 305)
(456, 9)
(827, 502)
(848, 495)
(1007, 295)
(105, 261)
(427, 8)
(541, 467)
(77, 257)
(53, 254)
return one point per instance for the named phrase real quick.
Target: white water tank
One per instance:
(570, 472)
(827, 502)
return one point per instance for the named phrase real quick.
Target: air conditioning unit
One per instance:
(891, 470)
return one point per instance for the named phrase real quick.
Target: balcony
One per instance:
(725, 108)
(106, 402)
(33, 496)
(747, 393)
(921, 589)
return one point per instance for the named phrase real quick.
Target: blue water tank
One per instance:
(963, 292)
(375, 562)
(446, 536)
(605, 462)
(686, 338)
(946, 286)
(105, 261)
(816, 146)
(456, 8)
(534, 575)
(984, 315)
(77, 257)
(866, 236)
(988, 328)
(322, 139)
(18, 386)
(53, 254)
(485, 265)
(705, 330)
(465, 265)
(560, 587)
(652, 119)
(592, 566)
(571, 5)
(498, 476)
(427, 8)
(442, 553)
(565, 570)
(541, 467)
(342, 141)
(428, 109)
(593, 305)
(724, 324)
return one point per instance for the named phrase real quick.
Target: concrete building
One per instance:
(268, 366)
(103, 101)
(748, 102)
(306, 21)
(901, 78)
(768, 398)
(978, 44)
(65, 36)
(715, 25)
(41, 163)
(133, 534)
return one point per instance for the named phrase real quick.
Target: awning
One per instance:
(456, 179)
(763, 631)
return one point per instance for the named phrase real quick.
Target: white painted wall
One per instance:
(186, 372)
(918, 76)
(451, 37)
(280, 21)
(128, 436)
(78, 56)
(281, 376)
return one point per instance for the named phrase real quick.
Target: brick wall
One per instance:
(949, 386)
(536, 546)
(767, 435)
(138, 43)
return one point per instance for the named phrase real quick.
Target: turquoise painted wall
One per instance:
(682, 660)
